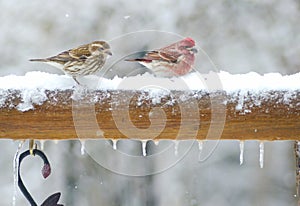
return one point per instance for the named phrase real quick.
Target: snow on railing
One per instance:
(33, 86)
(243, 106)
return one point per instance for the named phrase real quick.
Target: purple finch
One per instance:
(80, 61)
(176, 59)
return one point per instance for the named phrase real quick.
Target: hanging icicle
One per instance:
(176, 144)
(261, 154)
(242, 144)
(297, 157)
(114, 144)
(144, 145)
(200, 148)
(15, 171)
(82, 148)
(156, 142)
(42, 144)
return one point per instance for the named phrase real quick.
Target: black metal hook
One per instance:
(50, 201)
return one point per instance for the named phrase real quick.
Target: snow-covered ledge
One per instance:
(245, 106)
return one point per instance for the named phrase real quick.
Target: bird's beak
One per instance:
(108, 52)
(194, 50)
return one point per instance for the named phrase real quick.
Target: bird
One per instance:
(83, 60)
(176, 59)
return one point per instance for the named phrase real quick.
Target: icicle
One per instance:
(114, 144)
(261, 154)
(297, 157)
(144, 144)
(42, 143)
(15, 171)
(242, 144)
(176, 144)
(200, 147)
(101, 180)
(82, 149)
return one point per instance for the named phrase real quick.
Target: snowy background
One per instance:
(239, 37)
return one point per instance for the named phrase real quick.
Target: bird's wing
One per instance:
(81, 52)
(162, 56)
(61, 58)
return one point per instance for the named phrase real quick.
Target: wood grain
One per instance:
(180, 115)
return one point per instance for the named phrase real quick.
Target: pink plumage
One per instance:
(176, 59)
(190, 41)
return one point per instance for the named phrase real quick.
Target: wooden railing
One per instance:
(125, 114)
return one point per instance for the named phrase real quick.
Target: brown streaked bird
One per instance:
(80, 61)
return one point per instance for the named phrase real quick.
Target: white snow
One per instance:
(255, 82)
(193, 81)
(32, 86)
(30, 97)
(35, 80)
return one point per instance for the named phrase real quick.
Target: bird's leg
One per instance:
(76, 80)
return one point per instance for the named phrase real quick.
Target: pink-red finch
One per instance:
(80, 61)
(176, 59)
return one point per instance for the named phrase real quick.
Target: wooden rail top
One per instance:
(116, 114)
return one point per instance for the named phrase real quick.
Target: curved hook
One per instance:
(46, 171)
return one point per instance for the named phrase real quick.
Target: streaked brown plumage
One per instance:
(83, 60)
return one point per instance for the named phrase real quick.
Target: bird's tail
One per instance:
(38, 60)
(130, 60)
(137, 60)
